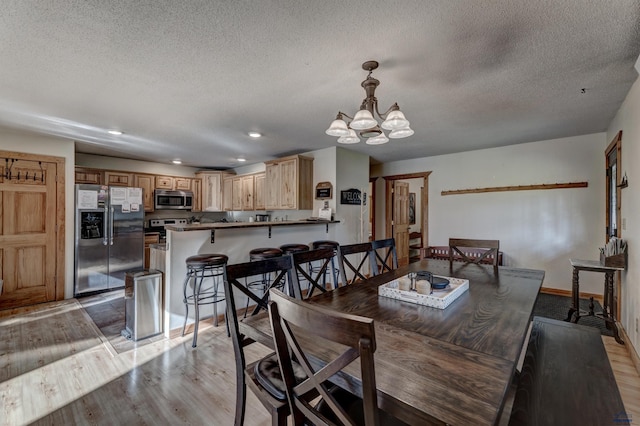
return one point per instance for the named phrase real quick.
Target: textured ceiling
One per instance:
(189, 79)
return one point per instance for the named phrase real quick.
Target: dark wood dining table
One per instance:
(438, 366)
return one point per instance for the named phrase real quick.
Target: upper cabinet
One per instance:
(289, 183)
(212, 190)
(182, 184)
(238, 193)
(196, 187)
(164, 182)
(90, 176)
(170, 182)
(112, 178)
(146, 182)
(258, 191)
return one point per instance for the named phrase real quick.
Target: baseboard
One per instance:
(567, 293)
(205, 323)
(635, 359)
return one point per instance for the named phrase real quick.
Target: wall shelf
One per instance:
(517, 188)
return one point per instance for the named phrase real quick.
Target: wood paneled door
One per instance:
(401, 221)
(31, 229)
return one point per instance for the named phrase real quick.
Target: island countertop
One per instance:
(230, 225)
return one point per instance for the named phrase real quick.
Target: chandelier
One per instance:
(365, 122)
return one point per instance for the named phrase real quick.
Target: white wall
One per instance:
(628, 120)
(352, 171)
(539, 229)
(32, 143)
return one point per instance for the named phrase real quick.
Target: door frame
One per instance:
(616, 143)
(424, 203)
(60, 211)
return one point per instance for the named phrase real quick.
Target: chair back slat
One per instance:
(457, 244)
(316, 276)
(293, 320)
(357, 260)
(386, 255)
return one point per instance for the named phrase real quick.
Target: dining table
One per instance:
(436, 366)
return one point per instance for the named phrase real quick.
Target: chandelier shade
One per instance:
(378, 140)
(338, 128)
(351, 138)
(365, 121)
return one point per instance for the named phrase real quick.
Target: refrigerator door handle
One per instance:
(105, 235)
(111, 226)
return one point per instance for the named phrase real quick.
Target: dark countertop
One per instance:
(230, 225)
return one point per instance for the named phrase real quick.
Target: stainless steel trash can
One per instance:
(143, 304)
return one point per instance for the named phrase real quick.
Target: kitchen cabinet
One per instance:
(212, 189)
(164, 182)
(113, 178)
(242, 193)
(227, 194)
(146, 182)
(258, 191)
(236, 193)
(196, 187)
(182, 184)
(247, 192)
(289, 183)
(90, 176)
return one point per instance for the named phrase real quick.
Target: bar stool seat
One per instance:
(293, 248)
(264, 253)
(200, 267)
(319, 244)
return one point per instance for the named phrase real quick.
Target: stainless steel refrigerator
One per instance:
(109, 236)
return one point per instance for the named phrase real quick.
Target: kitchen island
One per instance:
(234, 239)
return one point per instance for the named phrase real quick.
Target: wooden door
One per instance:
(145, 182)
(401, 221)
(227, 194)
(289, 184)
(236, 194)
(247, 192)
(272, 186)
(258, 191)
(31, 230)
(164, 182)
(182, 184)
(196, 185)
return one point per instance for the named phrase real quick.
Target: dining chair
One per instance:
(235, 276)
(354, 260)
(490, 247)
(345, 339)
(311, 266)
(386, 257)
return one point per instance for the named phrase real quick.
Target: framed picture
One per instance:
(412, 208)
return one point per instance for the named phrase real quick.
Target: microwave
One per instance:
(172, 200)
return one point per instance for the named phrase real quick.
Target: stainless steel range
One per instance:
(157, 225)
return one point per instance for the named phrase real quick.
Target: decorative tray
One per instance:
(424, 295)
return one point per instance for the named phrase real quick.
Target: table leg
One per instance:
(609, 309)
(575, 298)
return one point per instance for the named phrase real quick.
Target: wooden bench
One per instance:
(566, 378)
(442, 252)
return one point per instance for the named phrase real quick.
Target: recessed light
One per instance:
(255, 134)
(242, 160)
(176, 162)
(114, 132)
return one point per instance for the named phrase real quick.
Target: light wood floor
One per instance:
(55, 368)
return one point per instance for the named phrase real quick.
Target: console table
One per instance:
(608, 313)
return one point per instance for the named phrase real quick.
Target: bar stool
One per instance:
(289, 249)
(263, 284)
(332, 245)
(199, 267)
